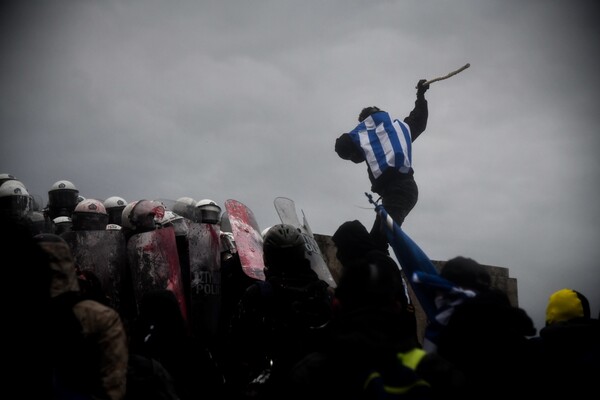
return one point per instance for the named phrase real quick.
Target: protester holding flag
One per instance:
(385, 144)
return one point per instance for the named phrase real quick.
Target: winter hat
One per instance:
(566, 304)
(61, 263)
(352, 241)
(466, 273)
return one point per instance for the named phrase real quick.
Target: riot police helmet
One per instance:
(15, 200)
(210, 212)
(89, 215)
(114, 207)
(283, 247)
(186, 207)
(142, 215)
(62, 198)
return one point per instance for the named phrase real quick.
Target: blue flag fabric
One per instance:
(424, 279)
(411, 258)
(436, 281)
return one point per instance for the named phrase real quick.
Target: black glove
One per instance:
(421, 88)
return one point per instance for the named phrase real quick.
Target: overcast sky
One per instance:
(244, 100)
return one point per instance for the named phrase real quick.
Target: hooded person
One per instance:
(464, 278)
(352, 241)
(467, 274)
(569, 345)
(567, 305)
(354, 245)
(481, 333)
(89, 352)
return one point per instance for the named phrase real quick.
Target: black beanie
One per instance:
(466, 273)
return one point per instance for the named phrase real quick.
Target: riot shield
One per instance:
(154, 264)
(286, 209)
(248, 240)
(104, 252)
(205, 278)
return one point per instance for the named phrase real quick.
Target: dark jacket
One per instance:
(486, 338)
(362, 342)
(276, 324)
(89, 342)
(371, 328)
(569, 354)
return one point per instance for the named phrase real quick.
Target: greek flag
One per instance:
(411, 259)
(387, 143)
(423, 278)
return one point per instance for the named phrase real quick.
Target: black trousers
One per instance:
(398, 198)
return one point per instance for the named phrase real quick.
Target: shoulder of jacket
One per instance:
(95, 316)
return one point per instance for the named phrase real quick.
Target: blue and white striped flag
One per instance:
(386, 143)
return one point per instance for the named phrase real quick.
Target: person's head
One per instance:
(467, 274)
(15, 201)
(186, 207)
(374, 282)
(352, 241)
(89, 215)
(114, 208)
(62, 198)
(61, 263)
(565, 305)
(366, 112)
(176, 221)
(284, 250)
(142, 216)
(210, 212)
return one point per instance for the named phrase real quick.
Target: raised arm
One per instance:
(417, 119)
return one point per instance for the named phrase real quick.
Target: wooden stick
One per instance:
(467, 65)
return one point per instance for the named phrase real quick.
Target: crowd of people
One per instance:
(290, 335)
